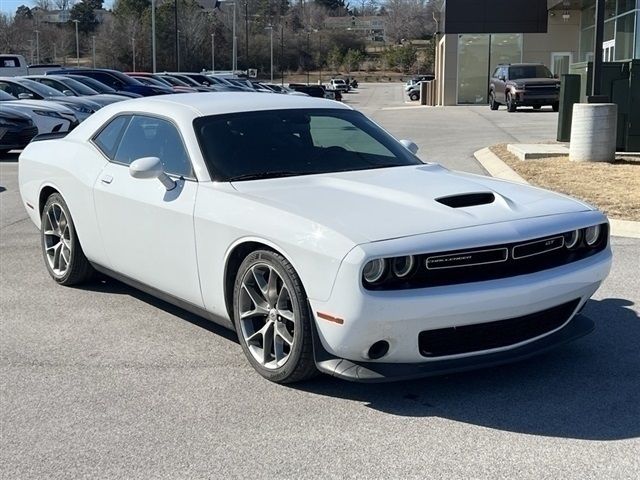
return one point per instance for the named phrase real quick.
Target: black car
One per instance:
(16, 129)
(523, 85)
(116, 80)
(318, 91)
(101, 87)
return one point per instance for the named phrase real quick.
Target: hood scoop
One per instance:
(467, 199)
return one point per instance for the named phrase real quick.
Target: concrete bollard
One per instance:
(593, 132)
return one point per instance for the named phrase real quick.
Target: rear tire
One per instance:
(414, 96)
(61, 249)
(272, 318)
(511, 104)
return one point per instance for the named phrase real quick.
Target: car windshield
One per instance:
(95, 84)
(280, 143)
(4, 96)
(529, 71)
(78, 87)
(40, 89)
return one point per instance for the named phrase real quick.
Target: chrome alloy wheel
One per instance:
(57, 239)
(267, 317)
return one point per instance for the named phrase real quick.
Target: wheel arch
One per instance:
(236, 253)
(45, 192)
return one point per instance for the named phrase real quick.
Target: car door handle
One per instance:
(107, 179)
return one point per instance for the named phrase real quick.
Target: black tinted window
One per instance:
(107, 140)
(295, 142)
(154, 137)
(106, 79)
(529, 71)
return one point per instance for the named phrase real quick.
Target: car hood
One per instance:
(40, 105)
(104, 99)
(81, 102)
(381, 204)
(14, 113)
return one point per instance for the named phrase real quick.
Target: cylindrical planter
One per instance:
(593, 132)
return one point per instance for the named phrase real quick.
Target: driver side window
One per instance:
(154, 137)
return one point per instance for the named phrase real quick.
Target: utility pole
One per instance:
(271, 43)
(177, 42)
(37, 46)
(153, 35)
(133, 48)
(93, 49)
(77, 44)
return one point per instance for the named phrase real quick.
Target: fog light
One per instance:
(591, 235)
(378, 350)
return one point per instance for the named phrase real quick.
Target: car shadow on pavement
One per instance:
(589, 389)
(9, 157)
(104, 284)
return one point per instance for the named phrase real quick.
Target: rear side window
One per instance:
(109, 138)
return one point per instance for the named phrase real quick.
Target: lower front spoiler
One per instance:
(372, 372)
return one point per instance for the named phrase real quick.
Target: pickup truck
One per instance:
(12, 65)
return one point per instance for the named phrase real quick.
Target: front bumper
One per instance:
(531, 98)
(372, 372)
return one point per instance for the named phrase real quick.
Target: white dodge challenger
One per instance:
(326, 244)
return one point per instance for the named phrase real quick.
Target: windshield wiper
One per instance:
(263, 175)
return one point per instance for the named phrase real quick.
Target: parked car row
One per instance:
(57, 100)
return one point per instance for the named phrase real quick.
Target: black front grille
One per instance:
(490, 262)
(487, 336)
(19, 138)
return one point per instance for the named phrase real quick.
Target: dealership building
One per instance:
(477, 35)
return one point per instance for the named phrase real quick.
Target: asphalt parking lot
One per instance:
(104, 381)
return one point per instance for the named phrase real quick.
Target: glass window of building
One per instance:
(625, 32)
(478, 55)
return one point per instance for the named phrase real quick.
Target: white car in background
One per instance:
(49, 117)
(323, 241)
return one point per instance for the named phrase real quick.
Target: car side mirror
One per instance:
(25, 96)
(409, 145)
(502, 78)
(556, 76)
(151, 167)
(68, 93)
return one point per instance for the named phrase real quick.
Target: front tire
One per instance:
(414, 96)
(63, 255)
(493, 105)
(272, 318)
(511, 103)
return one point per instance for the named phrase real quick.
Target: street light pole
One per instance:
(235, 41)
(213, 53)
(93, 49)
(271, 41)
(153, 35)
(246, 35)
(282, 52)
(308, 56)
(177, 38)
(133, 48)
(77, 44)
(37, 46)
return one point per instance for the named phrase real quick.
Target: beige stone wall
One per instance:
(448, 84)
(561, 37)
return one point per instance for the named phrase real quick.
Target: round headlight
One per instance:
(374, 270)
(571, 239)
(591, 235)
(402, 266)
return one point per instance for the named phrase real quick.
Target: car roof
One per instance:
(520, 64)
(217, 103)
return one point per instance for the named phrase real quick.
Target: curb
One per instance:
(497, 168)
